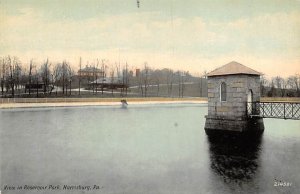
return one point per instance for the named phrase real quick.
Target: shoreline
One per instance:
(65, 102)
(11, 103)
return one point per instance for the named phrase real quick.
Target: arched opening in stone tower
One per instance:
(223, 92)
(249, 101)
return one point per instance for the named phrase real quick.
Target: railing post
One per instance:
(284, 110)
(256, 107)
(271, 109)
(292, 110)
(263, 109)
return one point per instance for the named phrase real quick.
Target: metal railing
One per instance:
(281, 110)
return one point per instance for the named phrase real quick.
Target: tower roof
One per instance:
(233, 68)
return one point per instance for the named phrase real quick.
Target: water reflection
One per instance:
(234, 158)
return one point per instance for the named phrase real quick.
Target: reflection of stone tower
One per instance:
(234, 158)
(230, 87)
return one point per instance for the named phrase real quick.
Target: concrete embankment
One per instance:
(64, 102)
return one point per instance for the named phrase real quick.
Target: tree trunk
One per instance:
(70, 87)
(2, 87)
(79, 85)
(12, 89)
(37, 88)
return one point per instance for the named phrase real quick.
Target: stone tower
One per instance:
(230, 88)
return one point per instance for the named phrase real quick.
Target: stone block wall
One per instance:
(237, 89)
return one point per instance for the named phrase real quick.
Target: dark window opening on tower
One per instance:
(223, 92)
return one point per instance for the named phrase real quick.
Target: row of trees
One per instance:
(38, 80)
(165, 77)
(42, 79)
(281, 87)
(11, 74)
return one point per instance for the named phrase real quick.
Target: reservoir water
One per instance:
(141, 149)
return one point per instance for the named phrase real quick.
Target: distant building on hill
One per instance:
(137, 72)
(90, 71)
(108, 82)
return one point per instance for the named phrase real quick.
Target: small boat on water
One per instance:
(124, 103)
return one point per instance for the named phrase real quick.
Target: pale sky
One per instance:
(193, 35)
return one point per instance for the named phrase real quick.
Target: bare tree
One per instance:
(66, 76)
(70, 76)
(156, 76)
(30, 75)
(294, 83)
(140, 84)
(11, 77)
(125, 79)
(94, 75)
(17, 75)
(13, 65)
(170, 77)
(112, 75)
(185, 78)
(3, 72)
(201, 85)
(118, 68)
(97, 75)
(263, 85)
(64, 72)
(57, 75)
(7, 75)
(102, 79)
(272, 91)
(45, 74)
(280, 84)
(145, 79)
(79, 78)
(36, 82)
(179, 77)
